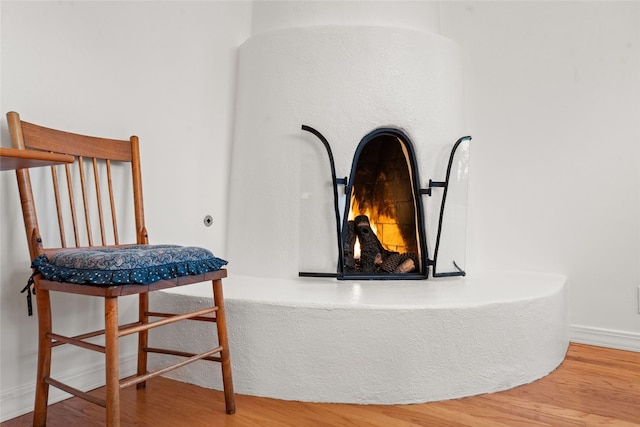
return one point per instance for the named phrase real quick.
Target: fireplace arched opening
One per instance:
(383, 234)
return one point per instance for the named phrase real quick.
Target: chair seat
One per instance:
(137, 264)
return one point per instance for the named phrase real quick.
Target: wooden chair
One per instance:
(96, 157)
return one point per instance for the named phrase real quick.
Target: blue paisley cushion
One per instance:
(138, 264)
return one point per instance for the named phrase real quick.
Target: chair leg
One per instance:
(112, 365)
(143, 337)
(44, 357)
(221, 324)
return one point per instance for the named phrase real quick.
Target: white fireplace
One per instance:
(344, 81)
(340, 68)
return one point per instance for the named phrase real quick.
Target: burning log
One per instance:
(349, 248)
(373, 256)
(399, 263)
(370, 246)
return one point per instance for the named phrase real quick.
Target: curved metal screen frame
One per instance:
(460, 271)
(417, 191)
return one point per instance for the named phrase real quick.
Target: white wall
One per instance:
(416, 15)
(164, 71)
(553, 103)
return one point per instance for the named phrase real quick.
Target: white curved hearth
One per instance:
(381, 342)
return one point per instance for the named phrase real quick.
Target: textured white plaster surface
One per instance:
(379, 342)
(345, 81)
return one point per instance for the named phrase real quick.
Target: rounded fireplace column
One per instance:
(345, 81)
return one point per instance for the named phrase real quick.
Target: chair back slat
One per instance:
(72, 205)
(85, 202)
(113, 162)
(96, 180)
(112, 203)
(56, 193)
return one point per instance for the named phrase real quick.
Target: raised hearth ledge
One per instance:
(381, 342)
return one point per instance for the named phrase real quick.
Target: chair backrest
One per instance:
(87, 186)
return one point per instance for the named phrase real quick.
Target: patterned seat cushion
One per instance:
(138, 264)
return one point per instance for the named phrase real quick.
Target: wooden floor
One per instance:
(593, 387)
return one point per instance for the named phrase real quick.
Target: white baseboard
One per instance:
(19, 400)
(610, 338)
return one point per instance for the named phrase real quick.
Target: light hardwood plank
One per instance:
(593, 387)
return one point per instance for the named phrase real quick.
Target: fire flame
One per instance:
(356, 210)
(384, 227)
